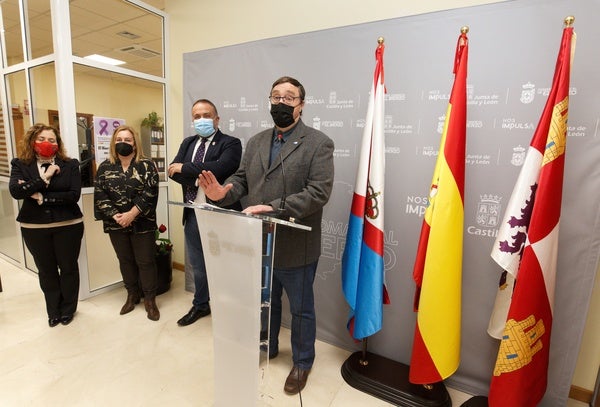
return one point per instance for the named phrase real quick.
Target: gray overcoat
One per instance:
(308, 164)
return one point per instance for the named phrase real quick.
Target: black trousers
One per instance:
(136, 253)
(55, 252)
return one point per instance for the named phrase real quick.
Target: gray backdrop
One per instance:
(513, 49)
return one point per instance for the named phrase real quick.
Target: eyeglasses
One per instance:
(287, 99)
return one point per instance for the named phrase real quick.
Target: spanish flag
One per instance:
(527, 249)
(438, 265)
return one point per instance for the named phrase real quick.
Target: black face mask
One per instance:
(282, 114)
(124, 149)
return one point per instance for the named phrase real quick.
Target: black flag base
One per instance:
(477, 401)
(388, 380)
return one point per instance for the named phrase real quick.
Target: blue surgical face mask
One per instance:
(204, 127)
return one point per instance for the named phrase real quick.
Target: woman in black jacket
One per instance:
(49, 183)
(125, 199)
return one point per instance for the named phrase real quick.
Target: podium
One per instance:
(238, 253)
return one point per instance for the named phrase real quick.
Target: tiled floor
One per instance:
(104, 359)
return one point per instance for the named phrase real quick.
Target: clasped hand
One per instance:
(126, 218)
(174, 168)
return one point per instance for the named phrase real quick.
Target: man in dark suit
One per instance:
(307, 157)
(208, 150)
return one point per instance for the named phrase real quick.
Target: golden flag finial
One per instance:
(569, 20)
(380, 40)
(464, 29)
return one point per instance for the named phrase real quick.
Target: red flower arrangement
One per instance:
(163, 244)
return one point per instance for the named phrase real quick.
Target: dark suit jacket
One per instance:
(60, 196)
(222, 159)
(308, 162)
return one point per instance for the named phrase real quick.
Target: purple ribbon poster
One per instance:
(103, 131)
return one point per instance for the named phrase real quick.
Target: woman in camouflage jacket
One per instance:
(125, 198)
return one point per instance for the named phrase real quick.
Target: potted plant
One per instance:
(164, 266)
(152, 130)
(153, 121)
(163, 244)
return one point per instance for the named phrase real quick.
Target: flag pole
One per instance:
(365, 236)
(464, 30)
(569, 20)
(363, 361)
(502, 392)
(437, 270)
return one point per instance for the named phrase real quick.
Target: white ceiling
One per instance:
(94, 26)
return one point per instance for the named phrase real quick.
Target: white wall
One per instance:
(197, 25)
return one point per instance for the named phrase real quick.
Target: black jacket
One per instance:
(60, 196)
(222, 159)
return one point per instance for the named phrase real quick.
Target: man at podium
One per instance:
(286, 171)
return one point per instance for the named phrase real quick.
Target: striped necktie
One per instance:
(191, 191)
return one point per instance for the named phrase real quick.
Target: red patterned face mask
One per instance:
(45, 149)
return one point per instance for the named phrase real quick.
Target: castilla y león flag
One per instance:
(438, 265)
(363, 279)
(527, 249)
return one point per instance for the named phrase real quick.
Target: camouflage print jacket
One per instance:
(116, 191)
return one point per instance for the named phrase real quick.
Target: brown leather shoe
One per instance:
(296, 380)
(129, 305)
(151, 309)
